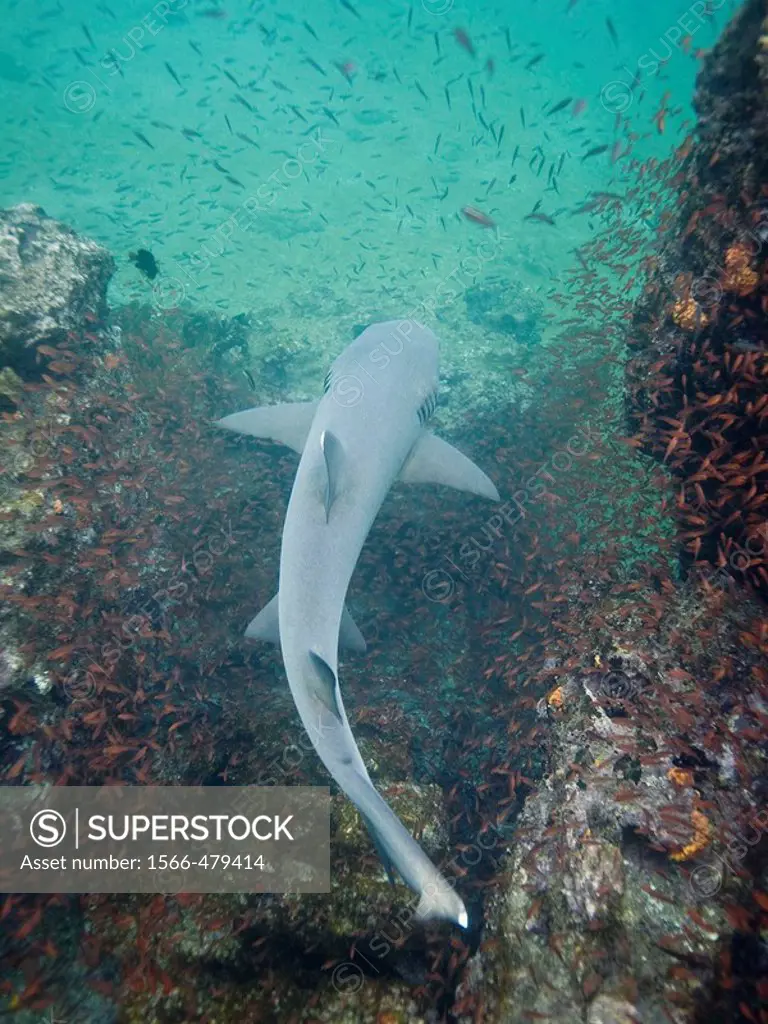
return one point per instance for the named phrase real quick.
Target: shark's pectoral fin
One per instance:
(287, 423)
(333, 453)
(350, 636)
(266, 626)
(325, 685)
(434, 461)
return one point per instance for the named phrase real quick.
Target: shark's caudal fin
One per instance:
(266, 626)
(433, 461)
(401, 855)
(287, 423)
(428, 909)
(383, 855)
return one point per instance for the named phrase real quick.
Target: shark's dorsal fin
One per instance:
(333, 453)
(326, 688)
(287, 423)
(433, 461)
(266, 627)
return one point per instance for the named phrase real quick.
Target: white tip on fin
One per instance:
(430, 908)
(434, 461)
(287, 423)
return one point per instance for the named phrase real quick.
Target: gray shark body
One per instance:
(367, 431)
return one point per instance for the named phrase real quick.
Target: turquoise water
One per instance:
(365, 218)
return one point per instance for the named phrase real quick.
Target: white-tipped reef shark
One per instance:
(367, 431)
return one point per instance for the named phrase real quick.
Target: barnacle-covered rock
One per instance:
(607, 1009)
(592, 880)
(353, 998)
(10, 388)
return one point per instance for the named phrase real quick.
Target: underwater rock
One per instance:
(504, 307)
(592, 879)
(697, 382)
(614, 903)
(355, 999)
(610, 1010)
(285, 938)
(10, 388)
(362, 900)
(52, 281)
(15, 673)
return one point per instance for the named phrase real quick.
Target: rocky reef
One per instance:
(696, 383)
(54, 297)
(53, 283)
(634, 856)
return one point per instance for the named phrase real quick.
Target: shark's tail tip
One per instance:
(447, 906)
